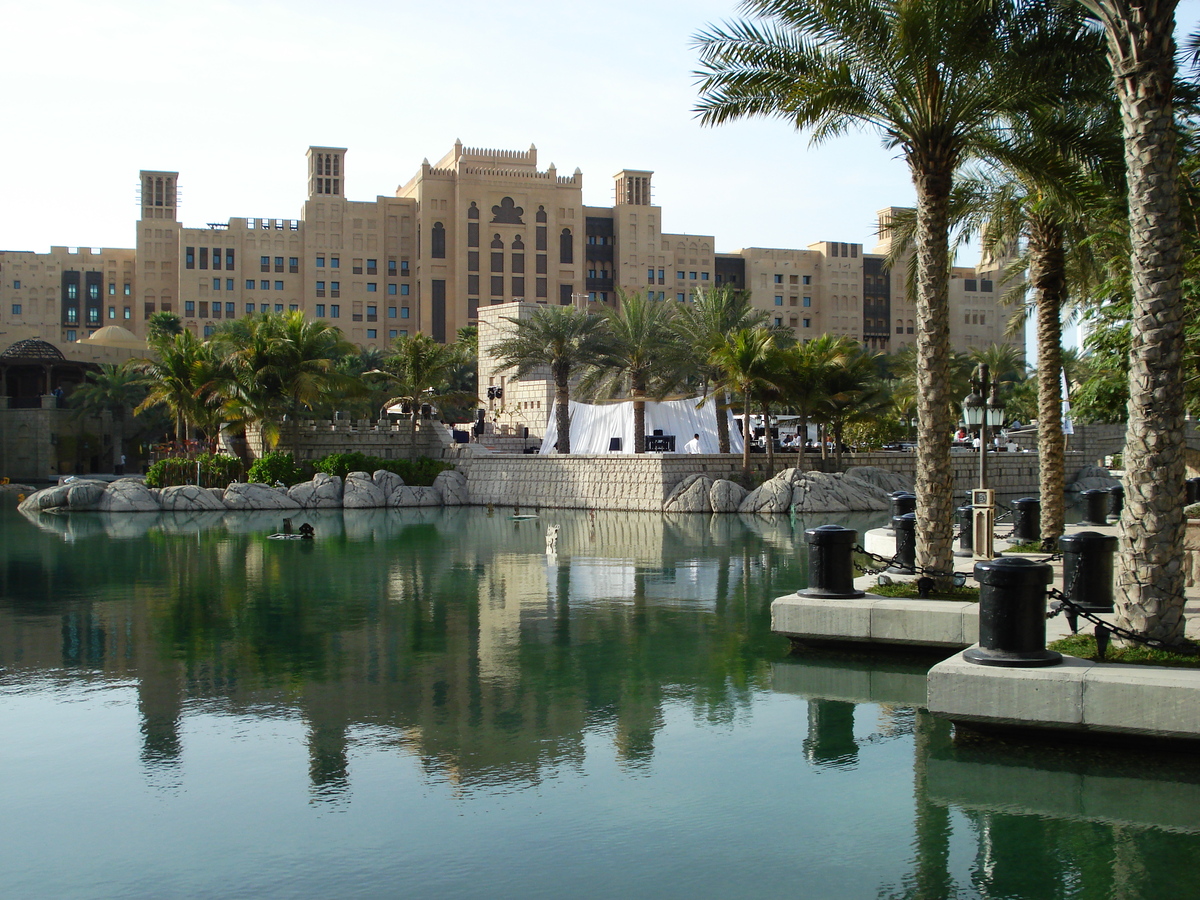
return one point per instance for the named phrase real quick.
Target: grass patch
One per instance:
(1084, 647)
(1026, 547)
(908, 589)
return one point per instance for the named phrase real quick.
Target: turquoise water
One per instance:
(429, 704)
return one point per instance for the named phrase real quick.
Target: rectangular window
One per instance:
(472, 261)
(372, 312)
(229, 260)
(985, 285)
(279, 285)
(392, 332)
(93, 291)
(778, 300)
(278, 307)
(681, 297)
(372, 266)
(356, 267)
(229, 284)
(216, 284)
(127, 312)
(391, 312)
(404, 290)
(540, 286)
(112, 288)
(404, 312)
(128, 289)
(404, 267)
(293, 264)
(691, 276)
(216, 257)
(16, 309)
(293, 307)
(650, 276)
(279, 264)
(264, 264)
(320, 262)
(497, 262)
(391, 268)
(320, 310)
(335, 262)
(392, 290)
(661, 280)
(518, 287)
(229, 311)
(335, 289)
(808, 301)
(779, 279)
(680, 275)
(807, 279)
(189, 258)
(497, 285)
(216, 310)
(540, 264)
(704, 276)
(204, 257)
(371, 334)
(264, 285)
(335, 311)
(208, 330)
(72, 292)
(249, 308)
(807, 323)
(249, 284)
(189, 307)
(70, 335)
(320, 289)
(371, 287)
(204, 309)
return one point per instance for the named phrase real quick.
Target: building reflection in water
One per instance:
(456, 638)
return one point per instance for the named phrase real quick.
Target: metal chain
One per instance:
(895, 560)
(1063, 604)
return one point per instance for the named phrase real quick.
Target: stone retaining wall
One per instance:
(642, 482)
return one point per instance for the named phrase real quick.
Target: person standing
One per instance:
(692, 446)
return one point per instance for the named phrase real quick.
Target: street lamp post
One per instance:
(982, 409)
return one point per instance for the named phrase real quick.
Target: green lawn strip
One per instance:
(1083, 646)
(908, 589)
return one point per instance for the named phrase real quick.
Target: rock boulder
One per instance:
(361, 492)
(128, 496)
(323, 492)
(257, 496)
(452, 485)
(726, 496)
(690, 495)
(188, 498)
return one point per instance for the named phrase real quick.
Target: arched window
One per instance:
(497, 243)
(473, 211)
(541, 215)
(437, 241)
(566, 247)
(517, 243)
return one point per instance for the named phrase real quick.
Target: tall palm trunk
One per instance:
(934, 481)
(562, 410)
(746, 435)
(770, 444)
(721, 399)
(1047, 275)
(1150, 578)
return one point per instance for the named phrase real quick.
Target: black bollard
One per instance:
(1193, 490)
(905, 529)
(966, 531)
(1012, 614)
(1116, 501)
(1027, 520)
(902, 502)
(830, 562)
(1095, 507)
(1088, 569)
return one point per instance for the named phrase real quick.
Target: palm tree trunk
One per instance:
(721, 399)
(1150, 578)
(934, 481)
(638, 390)
(746, 436)
(1047, 275)
(562, 410)
(770, 444)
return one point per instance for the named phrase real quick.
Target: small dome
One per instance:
(32, 349)
(114, 336)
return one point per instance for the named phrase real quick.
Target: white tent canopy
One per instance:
(593, 426)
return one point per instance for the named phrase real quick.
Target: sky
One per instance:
(231, 95)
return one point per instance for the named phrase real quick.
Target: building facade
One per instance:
(478, 228)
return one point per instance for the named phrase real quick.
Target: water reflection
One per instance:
(458, 641)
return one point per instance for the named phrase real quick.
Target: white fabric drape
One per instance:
(593, 426)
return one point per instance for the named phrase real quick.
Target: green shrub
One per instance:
(278, 467)
(215, 471)
(417, 472)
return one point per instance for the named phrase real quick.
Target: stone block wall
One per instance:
(384, 438)
(641, 482)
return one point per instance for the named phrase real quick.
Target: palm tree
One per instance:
(805, 379)
(180, 379)
(641, 357)
(420, 371)
(705, 325)
(937, 78)
(751, 364)
(851, 392)
(562, 338)
(161, 326)
(1150, 579)
(113, 389)
(280, 364)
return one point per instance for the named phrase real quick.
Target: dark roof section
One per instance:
(34, 350)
